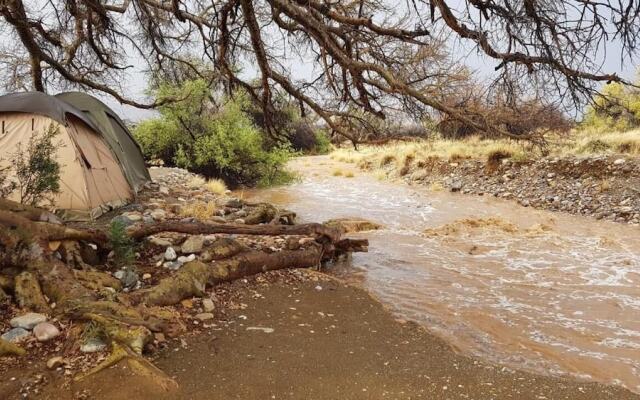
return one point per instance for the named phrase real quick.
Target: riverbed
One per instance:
(541, 291)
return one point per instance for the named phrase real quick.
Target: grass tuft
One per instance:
(216, 186)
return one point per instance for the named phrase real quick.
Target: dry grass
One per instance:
(436, 187)
(199, 210)
(349, 174)
(196, 182)
(216, 186)
(337, 172)
(593, 142)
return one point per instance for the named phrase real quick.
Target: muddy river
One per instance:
(546, 292)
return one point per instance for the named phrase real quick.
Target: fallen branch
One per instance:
(203, 228)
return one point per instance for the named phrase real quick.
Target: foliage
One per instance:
(323, 144)
(617, 108)
(36, 169)
(121, 244)
(213, 141)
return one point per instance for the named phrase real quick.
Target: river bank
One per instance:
(300, 334)
(601, 186)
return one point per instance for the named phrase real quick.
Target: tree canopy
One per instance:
(370, 55)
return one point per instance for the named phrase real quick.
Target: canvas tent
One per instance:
(91, 179)
(115, 133)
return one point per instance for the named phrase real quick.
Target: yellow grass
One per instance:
(199, 210)
(349, 174)
(337, 172)
(216, 186)
(196, 182)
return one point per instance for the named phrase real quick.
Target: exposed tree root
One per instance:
(44, 264)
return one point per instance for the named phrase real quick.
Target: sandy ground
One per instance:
(324, 340)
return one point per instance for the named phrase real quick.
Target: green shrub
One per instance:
(121, 244)
(323, 144)
(36, 169)
(617, 109)
(223, 143)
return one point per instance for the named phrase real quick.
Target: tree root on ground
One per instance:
(41, 265)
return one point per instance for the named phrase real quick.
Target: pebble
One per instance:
(186, 259)
(204, 316)
(28, 321)
(146, 276)
(45, 331)
(170, 254)
(208, 305)
(158, 214)
(93, 346)
(173, 265)
(16, 335)
(55, 362)
(619, 161)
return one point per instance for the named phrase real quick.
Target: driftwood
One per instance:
(320, 231)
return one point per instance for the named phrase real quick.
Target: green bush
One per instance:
(617, 108)
(223, 143)
(121, 244)
(36, 169)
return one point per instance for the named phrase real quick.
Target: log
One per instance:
(203, 228)
(28, 293)
(29, 212)
(193, 278)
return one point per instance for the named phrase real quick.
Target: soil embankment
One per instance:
(602, 187)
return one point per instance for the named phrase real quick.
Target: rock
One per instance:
(93, 345)
(172, 265)
(204, 316)
(619, 161)
(55, 362)
(127, 277)
(186, 259)
(239, 221)
(170, 254)
(260, 328)
(158, 214)
(45, 331)
(133, 216)
(234, 203)
(456, 186)
(161, 242)
(148, 219)
(146, 276)
(163, 190)
(208, 305)
(218, 219)
(28, 321)
(193, 244)
(16, 335)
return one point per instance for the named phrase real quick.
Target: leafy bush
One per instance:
(616, 108)
(121, 244)
(36, 169)
(222, 142)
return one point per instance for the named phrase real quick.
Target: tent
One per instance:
(115, 133)
(91, 178)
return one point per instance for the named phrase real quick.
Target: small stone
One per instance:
(146, 276)
(45, 331)
(163, 190)
(133, 216)
(239, 221)
(28, 321)
(170, 254)
(318, 288)
(127, 276)
(16, 335)
(55, 362)
(160, 242)
(208, 305)
(186, 259)
(193, 244)
(619, 161)
(204, 316)
(93, 345)
(123, 220)
(456, 186)
(158, 214)
(172, 265)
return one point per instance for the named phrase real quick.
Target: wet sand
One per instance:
(329, 341)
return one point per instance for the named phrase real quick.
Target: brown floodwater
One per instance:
(546, 292)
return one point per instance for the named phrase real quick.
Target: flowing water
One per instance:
(542, 291)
